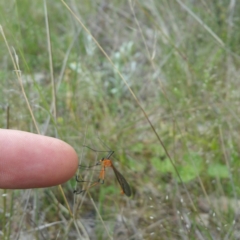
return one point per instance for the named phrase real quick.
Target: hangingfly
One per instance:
(106, 162)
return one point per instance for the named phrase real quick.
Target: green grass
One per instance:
(182, 64)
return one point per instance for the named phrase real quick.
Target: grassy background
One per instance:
(181, 60)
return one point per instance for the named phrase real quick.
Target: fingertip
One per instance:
(29, 160)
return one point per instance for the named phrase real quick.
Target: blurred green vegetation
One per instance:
(181, 60)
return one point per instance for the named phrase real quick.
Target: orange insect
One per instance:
(106, 162)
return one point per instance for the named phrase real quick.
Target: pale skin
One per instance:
(29, 160)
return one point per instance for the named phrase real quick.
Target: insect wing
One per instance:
(122, 181)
